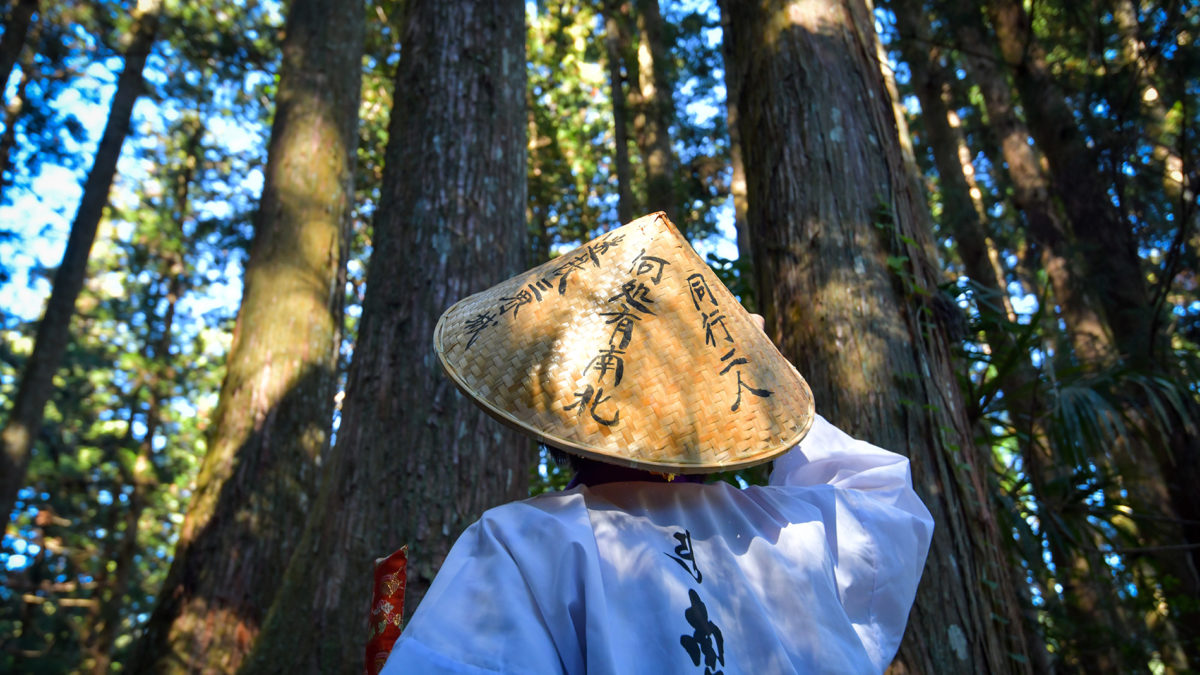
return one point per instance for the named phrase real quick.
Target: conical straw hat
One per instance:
(628, 350)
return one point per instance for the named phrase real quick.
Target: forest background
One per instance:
(970, 224)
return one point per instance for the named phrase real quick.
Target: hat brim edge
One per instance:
(508, 420)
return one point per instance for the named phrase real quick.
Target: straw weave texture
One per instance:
(631, 351)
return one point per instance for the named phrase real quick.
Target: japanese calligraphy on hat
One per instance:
(628, 350)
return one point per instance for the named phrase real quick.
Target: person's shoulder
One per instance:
(553, 505)
(553, 518)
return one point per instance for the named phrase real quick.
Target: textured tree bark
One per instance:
(15, 31)
(25, 419)
(415, 461)
(272, 422)
(841, 246)
(613, 41)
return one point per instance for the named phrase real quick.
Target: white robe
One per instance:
(815, 572)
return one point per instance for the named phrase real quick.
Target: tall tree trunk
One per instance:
(1097, 625)
(613, 41)
(842, 246)
(25, 419)
(416, 462)
(1090, 336)
(272, 423)
(1114, 270)
(965, 155)
(536, 213)
(651, 93)
(1032, 192)
(140, 476)
(1084, 594)
(16, 28)
(959, 214)
(737, 190)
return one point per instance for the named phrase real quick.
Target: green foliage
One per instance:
(571, 177)
(124, 434)
(1103, 431)
(89, 544)
(736, 275)
(547, 475)
(700, 131)
(571, 170)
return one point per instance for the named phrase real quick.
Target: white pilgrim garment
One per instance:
(814, 573)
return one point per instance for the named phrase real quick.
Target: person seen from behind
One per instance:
(630, 356)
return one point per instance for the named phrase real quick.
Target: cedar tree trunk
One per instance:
(737, 183)
(1109, 247)
(1083, 596)
(415, 461)
(1114, 269)
(842, 251)
(272, 422)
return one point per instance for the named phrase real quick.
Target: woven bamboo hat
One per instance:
(628, 350)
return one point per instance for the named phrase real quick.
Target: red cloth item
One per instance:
(387, 608)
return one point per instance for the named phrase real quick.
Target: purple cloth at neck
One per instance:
(592, 473)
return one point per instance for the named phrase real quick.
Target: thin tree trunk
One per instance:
(959, 213)
(108, 548)
(536, 157)
(1090, 336)
(737, 190)
(114, 580)
(975, 195)
(273, 420)
(845, 280)
(25, 418)
(961, 216)
(1113, 268)
(737, 184)
(415, 461)
(108, 616)
(1032, 193)
(16, 29)
(616, 64)
(12, 113)
(651, 94)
